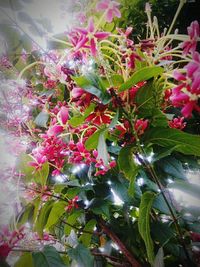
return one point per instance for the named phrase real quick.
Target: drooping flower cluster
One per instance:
(187, 93)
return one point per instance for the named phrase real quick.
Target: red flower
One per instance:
(140, 126)
(99, 117)
(177, 123)
(8, 240)
(72, 204)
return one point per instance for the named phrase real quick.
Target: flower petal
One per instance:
(101, 35)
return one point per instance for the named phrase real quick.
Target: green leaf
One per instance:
(86, 237)
(29, 172)
(160, 204)
(56, 213)
(43, 217)
(24, 167)
(25, 214)
(48, 257)
(144, 223)
(77, 120)
(25, 260)
(162, 232)
(115, 119)
(93, 85)
(71, 220)
(92, 141)
(42, 175)
(162, 153)
(172, 166)
(141, 75)
(126, 162)
(42, 119)
(99, 207)
(185, 143)
(82, 256)
(102, 149)
(159, 259)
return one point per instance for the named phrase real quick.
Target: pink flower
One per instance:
(49, 84)
(55, 130)
(111, 8)
(177, 123)
(8, 240)
(39, 158)
(187, 93)
(72, 204)
(91, 36)
(55, 73)
(80, 154)
(81, 97)
(140, 126)
(63, 115)
(194, 33)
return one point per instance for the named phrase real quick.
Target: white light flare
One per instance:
(117, 199)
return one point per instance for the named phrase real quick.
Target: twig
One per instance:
(115, 238)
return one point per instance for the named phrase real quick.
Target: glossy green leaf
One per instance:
(141, 75)
(25, 260)
(144, 223)
(42, 119)
(43, 217)
(93, 85)
(86, 237)
(126, 162)
(172, 166)
(92, 141)
(185, 143)
(48, 257)
(56, 213)
(82, 256)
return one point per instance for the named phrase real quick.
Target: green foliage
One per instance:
(144, 223)
(43, 217)
(86, 236)
(77, 120)
(81, 255)
(185, 143)
(25, 260)
(143, 74)
(94, 85)
(48, 257)
(56, 213)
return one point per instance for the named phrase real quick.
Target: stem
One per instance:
(181, 4)
(175, 220)
(80, 230)
(121, 246)
(28, 67)
(46, 194)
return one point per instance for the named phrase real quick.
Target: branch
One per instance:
(79, 229)
(115, 238)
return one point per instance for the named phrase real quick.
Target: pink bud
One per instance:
(55, 130)
(63, 115)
